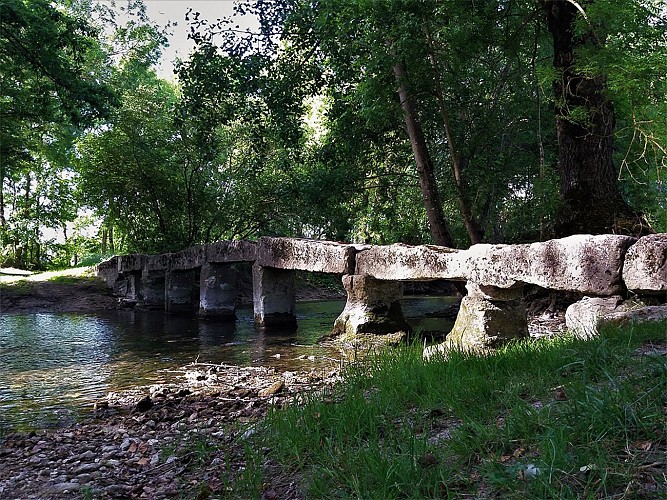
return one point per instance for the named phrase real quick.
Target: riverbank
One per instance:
(183, 440)
(560, 417)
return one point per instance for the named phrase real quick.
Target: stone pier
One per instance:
(217, 291)
(488, 318)
(274, 299)
(373, 307)
(181, 292)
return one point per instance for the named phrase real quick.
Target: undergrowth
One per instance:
(559, 418)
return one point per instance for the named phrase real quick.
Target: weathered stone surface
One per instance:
(583, 318)
(307, 255)
(645, 267)
(581, 263)
(586, 317)
(152, 288)
(231, 251)
(274, 299)
(217, 291)
(408, 263)
(373, 306)
(181, 292)
(483, 325)
(108, 270)
(190, 258)
(159, 262)
(131, 262)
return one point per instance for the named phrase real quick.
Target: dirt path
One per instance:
(72, 290)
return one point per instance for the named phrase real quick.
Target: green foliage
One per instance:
(540, 419)
(296, 129)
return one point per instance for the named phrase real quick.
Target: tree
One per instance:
(49, 91)
(591, 201)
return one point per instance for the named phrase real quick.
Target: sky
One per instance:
(163, 11)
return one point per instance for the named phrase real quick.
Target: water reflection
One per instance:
(52, 366)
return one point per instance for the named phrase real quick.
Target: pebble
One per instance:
(65, 487)
(119, 453)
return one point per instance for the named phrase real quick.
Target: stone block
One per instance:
(588, 316)
(580, 263)
(190, 258)
(152, 288)
(373, 306)
(408, 263)
(307, 255)
(161, 262)
(645, 267)
(217, 291)
(274, 298)
(231, 251)
(108, 270)
(483, 325)
(132, 262)
(181, 291)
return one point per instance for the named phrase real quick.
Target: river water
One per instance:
(54, 365)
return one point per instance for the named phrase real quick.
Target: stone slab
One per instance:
(306, 255)
(190, 258)
(645, 267)
(161, 262)
(580, 263)
(132, 262)
(231, 251)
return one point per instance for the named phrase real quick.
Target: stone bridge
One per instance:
(606, 269)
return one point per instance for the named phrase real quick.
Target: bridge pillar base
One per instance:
(274, 299)
(181, 293)
(152, 289)
(217, 291)
(489, 317)
(373, 307)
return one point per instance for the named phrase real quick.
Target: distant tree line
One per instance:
(376, 120)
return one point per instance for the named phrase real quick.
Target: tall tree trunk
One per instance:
(104, 240)
(469, 220)
(429, 188)
(3, 220)
(591, 201)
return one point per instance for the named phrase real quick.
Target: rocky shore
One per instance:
(165, 441)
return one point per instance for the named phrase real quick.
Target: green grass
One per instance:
(560, 418)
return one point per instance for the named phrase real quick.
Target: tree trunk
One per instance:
(469, 220)
(104, 240)
(591, 201)
(429, 188)
(3, 221)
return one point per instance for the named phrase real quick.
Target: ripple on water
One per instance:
(54, 365)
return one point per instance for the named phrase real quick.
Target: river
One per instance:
(53, 366)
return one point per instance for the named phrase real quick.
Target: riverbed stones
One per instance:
(488, 318)
(373, 307)
(645, 267)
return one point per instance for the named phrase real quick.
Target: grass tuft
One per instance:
(559, 418)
